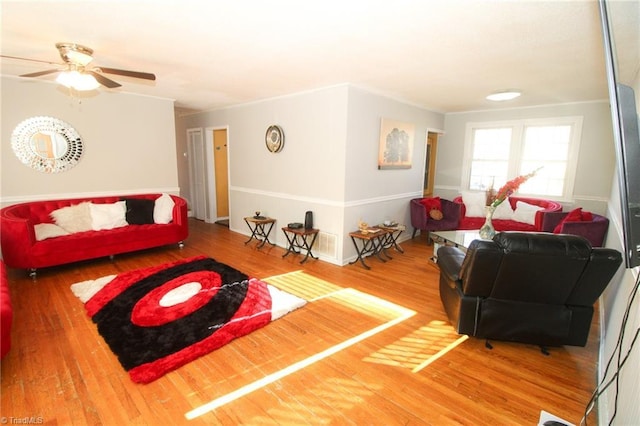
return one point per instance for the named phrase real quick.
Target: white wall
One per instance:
(374, 195)
(596, 159)
(616, 300)
(129, 143)
(328, 164)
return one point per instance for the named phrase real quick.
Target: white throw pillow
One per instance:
(526, 212)
(474, 203)
(108, 216)
(48, 230)
(163, 209)
(76, 218)
(503, 211)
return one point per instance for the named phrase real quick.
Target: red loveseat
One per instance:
(510, 225)
(21, 249)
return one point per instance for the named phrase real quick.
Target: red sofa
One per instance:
(21, 249)
(510, 225)
(6, 312)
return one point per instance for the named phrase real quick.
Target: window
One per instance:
(497, 152)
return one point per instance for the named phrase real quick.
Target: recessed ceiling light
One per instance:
(505, 95)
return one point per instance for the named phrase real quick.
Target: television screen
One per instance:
(622, 69)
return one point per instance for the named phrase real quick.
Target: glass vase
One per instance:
(487, 231)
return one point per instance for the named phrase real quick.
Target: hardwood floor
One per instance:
(370, 348)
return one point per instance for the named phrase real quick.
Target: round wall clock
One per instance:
(274, 138)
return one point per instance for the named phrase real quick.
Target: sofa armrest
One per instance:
(17, 237)
(463, 208)
(450, 262)
(451, 211)
(603, 265)
(419, 215)
(551, 219)
(180, 210)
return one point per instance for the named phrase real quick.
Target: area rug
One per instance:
(159, 318)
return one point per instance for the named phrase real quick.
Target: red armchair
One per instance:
(420, 216)
(594, 230)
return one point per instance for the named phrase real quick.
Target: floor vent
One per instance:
(326, 245)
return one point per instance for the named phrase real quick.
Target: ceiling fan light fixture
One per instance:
(75, 53)
(78, 81)
(77, 75)
(504, 95)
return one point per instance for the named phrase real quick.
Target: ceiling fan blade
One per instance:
(39, 73)
(29, 59)
(135, 74)
(104, 80)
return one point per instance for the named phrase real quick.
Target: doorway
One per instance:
(208, 174)
(197, 174)
(221, 174)
(430, 164)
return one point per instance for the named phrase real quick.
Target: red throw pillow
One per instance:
(576, 215)
(431, 203)
(433, 207)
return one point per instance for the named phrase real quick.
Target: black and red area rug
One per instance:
(160, 318)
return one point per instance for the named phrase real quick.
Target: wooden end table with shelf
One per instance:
(391, 238)
(257, 226)
(372, 243)
(297, 239)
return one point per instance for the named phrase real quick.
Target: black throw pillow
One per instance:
(139, 211)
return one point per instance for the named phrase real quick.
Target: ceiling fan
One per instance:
(76, 72)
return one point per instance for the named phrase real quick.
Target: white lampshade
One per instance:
(78, 81)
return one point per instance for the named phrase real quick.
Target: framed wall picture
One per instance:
(396, 144)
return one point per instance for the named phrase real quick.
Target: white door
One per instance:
(197, 173)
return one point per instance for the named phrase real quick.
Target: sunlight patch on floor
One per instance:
(420, 348)
(304, 285)
(335, 393)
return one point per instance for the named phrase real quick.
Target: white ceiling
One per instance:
(444, 55)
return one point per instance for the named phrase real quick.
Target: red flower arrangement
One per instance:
(511, 187)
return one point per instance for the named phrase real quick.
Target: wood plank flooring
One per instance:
(368, 349)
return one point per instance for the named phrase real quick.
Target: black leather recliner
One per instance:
(525, 287)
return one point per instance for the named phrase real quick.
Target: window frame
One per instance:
(516, 148)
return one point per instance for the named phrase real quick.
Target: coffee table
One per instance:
(460, 239)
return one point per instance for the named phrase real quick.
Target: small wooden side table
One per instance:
(298, 241)
(372, 243)
(257, 225)
(391, 239)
